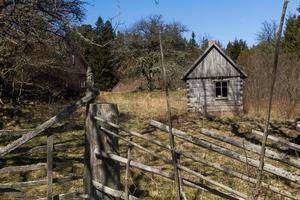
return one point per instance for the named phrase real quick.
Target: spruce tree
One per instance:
(234, 48)
(192, 42)
(102, 59)
(291, 40)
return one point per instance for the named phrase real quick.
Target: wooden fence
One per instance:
(102, 160)
(12, 188)
(105, 127)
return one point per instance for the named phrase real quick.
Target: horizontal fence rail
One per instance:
(278, 140)
(48, 130)
(14, 132)
(113, 192)
(16, 185)
(251, 147)
(164, 174)
(23, 168)
(179, 166)
(113, 130)
(47, 124)
(69, 195)
(192, 157)
(231, 154)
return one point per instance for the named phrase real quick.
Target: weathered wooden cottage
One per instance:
(214, 82)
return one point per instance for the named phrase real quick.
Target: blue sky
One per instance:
(222, 20)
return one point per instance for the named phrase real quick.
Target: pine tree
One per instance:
(291, 41)
(234, 48)
(192, 42)
(102, 59)
(99, 29)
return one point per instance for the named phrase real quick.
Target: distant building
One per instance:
(73, 74)
(214, 82)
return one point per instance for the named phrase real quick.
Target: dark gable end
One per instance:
(213, 63)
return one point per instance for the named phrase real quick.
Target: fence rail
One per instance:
(27, 135)
(278, 140)
(202, 161)
(102, 158)
(210, 146)
(231, 154)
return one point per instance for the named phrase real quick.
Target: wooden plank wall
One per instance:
(214, 65)
(201, 95)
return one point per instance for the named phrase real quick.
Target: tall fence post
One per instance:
(102, 170)
(49, 166)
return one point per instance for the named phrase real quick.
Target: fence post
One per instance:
(104, 171)
(49, 166)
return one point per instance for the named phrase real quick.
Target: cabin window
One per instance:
(221, 89)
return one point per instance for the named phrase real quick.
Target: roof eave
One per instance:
(194, 65)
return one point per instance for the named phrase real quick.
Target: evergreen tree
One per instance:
(102, 59)
(99, 29)
(291, 41)
(192, 43)
(234, 48)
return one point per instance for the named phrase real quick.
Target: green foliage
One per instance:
(192, 43)
(291, 41)
(101, 59)
(234, 49)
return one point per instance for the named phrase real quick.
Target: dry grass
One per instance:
(281, 109)
(136, 110)
(140, 107)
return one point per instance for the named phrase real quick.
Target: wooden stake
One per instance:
(181, 180)
(264, 139)
(171, 136)
(49, 166)
(127, 170)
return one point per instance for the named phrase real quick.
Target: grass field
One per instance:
(136, 109)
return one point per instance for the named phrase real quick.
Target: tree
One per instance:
(266, 36)
(104, 75)
(291, 40)
(234, 48)
(148, 67)
(101, 59)
(192, 42)
(205, 40)
(33, 43)
(140, 50)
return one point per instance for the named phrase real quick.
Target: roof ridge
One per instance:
(205, 53)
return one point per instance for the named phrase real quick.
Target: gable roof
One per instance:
(206, 52)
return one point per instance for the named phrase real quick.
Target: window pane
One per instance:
(218, 92)
(218, 84)
(224, 92)
(224, 83)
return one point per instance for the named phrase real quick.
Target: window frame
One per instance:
(222, 89)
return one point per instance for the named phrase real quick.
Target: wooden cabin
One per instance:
(214, 83)
(73, 74)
